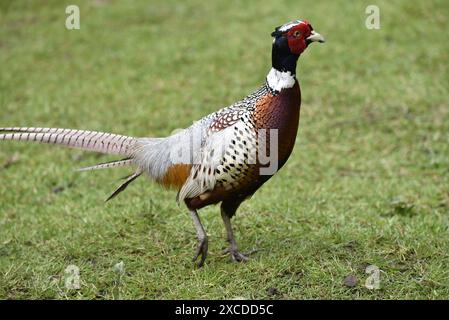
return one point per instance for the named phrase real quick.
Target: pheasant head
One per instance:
(290, 40)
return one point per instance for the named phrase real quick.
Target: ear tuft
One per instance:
(276, 32)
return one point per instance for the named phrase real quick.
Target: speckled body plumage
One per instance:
(237, 180)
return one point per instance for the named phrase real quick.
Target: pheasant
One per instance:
(223, 158)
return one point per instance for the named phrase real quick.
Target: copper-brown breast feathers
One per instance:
(280, 112)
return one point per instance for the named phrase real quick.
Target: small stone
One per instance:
(350, 281)
(58, 189)
(273, 291)
(119, 268)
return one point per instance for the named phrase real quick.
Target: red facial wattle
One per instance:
(297, 35)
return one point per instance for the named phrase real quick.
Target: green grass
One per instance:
(367, 184)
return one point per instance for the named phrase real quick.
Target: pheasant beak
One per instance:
(315, 37)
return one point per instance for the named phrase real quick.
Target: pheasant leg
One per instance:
(232, 250)
(202, 239)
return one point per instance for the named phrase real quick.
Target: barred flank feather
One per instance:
(102, 142)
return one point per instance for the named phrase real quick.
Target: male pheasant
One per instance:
(224, 157)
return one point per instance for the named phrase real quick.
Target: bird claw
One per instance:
(237, 256)
(201, 249)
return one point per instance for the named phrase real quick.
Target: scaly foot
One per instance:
(201, 250)
(237, 256)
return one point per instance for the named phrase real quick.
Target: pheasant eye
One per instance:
(296, 34)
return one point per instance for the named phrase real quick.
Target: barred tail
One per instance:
(102, 142)
(108, 165)
(124, 185)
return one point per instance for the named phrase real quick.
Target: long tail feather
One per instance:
(123, 186)
(108, 165)
(102, 142)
